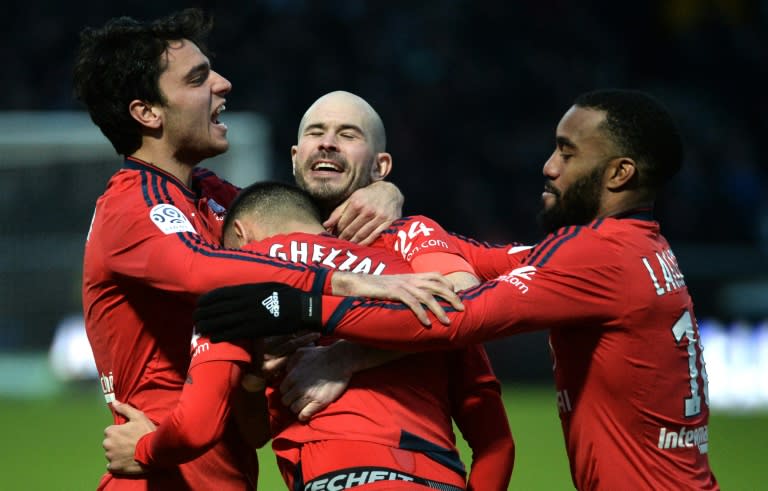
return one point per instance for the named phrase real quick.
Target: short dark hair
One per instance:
(122, 61)
(276, 200)
(642, 128)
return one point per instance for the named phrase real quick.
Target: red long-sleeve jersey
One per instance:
(490, 260)
(201, 417)
(150, 252)
(629, 371)
(458, 384)
(414, 398)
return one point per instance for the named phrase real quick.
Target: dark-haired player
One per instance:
(628, 362)
(151, 251)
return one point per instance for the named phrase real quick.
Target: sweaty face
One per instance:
(573, 189)
(194, 100)
(335, 153)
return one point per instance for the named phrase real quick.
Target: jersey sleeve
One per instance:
(569, 281)
(198, 420)
(158, 245)
(490, 260)
(424, 244)
(478, 410)
(203, 350)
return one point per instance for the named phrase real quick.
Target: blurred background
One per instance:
(470, 94)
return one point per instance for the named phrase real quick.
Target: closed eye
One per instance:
(199, 74)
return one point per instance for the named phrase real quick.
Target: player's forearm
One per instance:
(252, 416)
(482, 420)
(489, 261)
(511, 304)
(198, 420)
(492, 468)
(190, 266)
(489, 313)
(358, 357)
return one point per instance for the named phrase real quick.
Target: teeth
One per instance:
(220, 109)
(325, 166)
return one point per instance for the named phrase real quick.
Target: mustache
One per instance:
(548, 187)
(334, 157)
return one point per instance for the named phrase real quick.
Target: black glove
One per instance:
(256, 310)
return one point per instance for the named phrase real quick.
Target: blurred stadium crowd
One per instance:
(470, 93)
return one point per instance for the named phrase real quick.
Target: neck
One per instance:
(169, 163)
(624, 208)
(620, 203)
(291, 226)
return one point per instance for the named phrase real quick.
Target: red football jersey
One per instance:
(150, 252)
(630, 376)
(416, 396)
(201, 418)
(490, 260)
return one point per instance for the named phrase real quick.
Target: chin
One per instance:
(217, 149)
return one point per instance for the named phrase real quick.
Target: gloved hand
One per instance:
(256, 310)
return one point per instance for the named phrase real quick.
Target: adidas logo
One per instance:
(272, 303)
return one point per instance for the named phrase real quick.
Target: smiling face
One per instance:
(575, 172)
(340, 148)
(194, 98)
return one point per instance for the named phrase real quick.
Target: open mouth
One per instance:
(216, 113)
(326, 166)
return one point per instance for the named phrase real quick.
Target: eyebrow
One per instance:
(563, 141)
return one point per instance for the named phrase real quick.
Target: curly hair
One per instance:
(122, 61)
(642, 129)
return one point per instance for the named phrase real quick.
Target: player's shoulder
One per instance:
(579, 244)
(202, 175)
(410, 221)
(144, 183)
(205, 183)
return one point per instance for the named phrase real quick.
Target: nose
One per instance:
(328, 141)
(220, 84)
(551, 168)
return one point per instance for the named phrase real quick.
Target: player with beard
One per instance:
(395, 418)
(629, 370)
(153, 243)
(341, 147)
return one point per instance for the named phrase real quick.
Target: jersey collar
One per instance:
(134, 163)
(645, 214)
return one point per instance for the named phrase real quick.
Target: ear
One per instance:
(619, 173)
(382, 166)
(294, 151)
(241, 233)
(146, 114)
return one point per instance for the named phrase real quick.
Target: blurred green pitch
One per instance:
(55, 444)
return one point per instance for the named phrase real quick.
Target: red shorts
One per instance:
(335, 465)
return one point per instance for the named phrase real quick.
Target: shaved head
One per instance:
(347, 103)
(340, 149)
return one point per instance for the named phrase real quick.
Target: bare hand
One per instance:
(366, 213)
(414, 290)
(277, 349)
(120, 440)
(316, 376)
